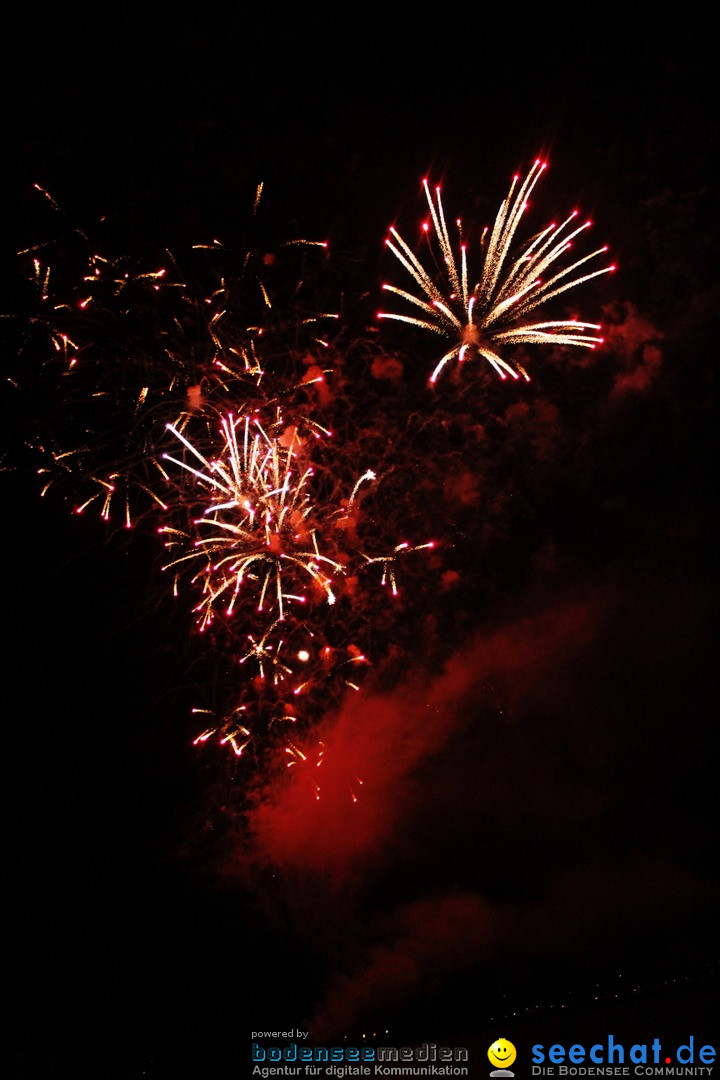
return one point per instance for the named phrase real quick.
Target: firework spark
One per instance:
(125, 345)
(388, 562)
(493, 313)
(258, 529)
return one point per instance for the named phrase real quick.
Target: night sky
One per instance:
(533, 853)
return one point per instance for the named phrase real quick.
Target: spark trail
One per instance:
(259, 525)
(511, 285)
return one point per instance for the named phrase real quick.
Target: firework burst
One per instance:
(481, 319)
(258, 529)
(277, 564)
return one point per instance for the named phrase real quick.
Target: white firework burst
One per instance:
(495, 312)
(257, 528)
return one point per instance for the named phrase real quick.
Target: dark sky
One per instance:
(535, 826)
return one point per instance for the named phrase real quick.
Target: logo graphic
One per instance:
(501, 1054)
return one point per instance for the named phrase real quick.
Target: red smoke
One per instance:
(375, 746)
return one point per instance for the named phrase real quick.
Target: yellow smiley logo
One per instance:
(502, 1053)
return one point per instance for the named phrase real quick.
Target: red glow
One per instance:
(385, 738)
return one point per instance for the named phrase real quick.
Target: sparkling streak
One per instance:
(509, 286)
(259, 530)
